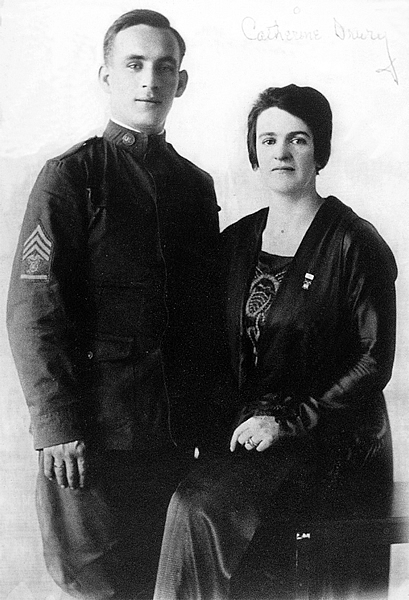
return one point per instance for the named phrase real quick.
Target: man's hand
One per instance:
(256, 433)
(66, 463)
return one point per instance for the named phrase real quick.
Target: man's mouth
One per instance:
(148, 100)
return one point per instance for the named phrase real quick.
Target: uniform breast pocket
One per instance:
(109, 348)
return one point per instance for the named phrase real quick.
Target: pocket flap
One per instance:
(111, 347)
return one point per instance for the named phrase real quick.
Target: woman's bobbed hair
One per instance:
(307, 104)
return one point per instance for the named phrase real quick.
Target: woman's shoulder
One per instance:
(246, 229)
(364, 245)
(258, 218)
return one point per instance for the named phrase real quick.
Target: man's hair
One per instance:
(307, 104)
(139, 17)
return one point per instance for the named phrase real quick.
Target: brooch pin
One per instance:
(308, 278)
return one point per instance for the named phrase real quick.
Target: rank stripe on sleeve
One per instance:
(37, 250)
(39, 242)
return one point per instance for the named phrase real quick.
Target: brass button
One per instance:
(90, 354)
(128, 139)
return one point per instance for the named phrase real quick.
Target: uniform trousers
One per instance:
(103, 541)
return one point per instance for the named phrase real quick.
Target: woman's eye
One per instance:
(299, 141)
(269, 141)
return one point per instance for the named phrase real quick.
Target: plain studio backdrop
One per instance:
(355, 52)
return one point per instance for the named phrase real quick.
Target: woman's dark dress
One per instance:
(312, 345)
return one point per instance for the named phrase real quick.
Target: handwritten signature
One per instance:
(275, 32)
(345, 33)
(390, 68)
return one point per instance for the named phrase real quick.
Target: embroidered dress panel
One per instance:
(269, 274)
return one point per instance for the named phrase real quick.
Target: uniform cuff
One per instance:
(59, 427)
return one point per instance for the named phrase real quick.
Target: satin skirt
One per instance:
(210, 550)
(215, 512)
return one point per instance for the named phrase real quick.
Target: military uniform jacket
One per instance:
(108, 279)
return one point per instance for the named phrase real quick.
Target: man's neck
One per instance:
(132, 128)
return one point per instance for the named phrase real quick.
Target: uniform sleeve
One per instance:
(213, 214)
(206, 219)
(44, 303)
(369, 273)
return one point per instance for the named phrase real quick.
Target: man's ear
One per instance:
(183, 77)
(103, 76)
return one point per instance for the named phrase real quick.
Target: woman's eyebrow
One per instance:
(300, 132)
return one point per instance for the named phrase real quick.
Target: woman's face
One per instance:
(285, 152)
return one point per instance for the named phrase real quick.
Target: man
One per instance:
(107, 294)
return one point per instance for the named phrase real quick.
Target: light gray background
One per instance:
(355, 52)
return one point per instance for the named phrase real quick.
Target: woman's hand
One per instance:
(256, 433)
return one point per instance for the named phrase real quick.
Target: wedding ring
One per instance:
(251, 442)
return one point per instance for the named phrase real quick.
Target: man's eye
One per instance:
(269, 141)
(134, 66)
(167, 68)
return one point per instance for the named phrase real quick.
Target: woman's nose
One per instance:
(281, 151)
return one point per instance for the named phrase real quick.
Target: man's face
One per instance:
(142, 76)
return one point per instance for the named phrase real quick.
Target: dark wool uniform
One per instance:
(324, 354)
(108, 296)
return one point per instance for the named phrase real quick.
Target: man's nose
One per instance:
(149, 78)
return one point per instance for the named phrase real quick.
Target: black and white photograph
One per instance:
(204, 326)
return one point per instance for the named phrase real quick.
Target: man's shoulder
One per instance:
(191, 168)
(79, 151)
(77, 162)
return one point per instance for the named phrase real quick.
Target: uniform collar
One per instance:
(136, 142)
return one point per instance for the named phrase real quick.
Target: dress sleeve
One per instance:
(45, 287)
(369, 273)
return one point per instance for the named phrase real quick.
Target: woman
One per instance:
(309, 305)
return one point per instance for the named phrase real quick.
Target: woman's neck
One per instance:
(288, 222)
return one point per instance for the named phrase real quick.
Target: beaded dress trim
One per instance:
(269, 274)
